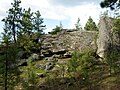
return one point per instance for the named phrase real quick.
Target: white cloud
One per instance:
(83, 12)
(50, 9)
(72, 3)
(4, 6)
(56, 13)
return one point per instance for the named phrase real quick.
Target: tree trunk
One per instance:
(6, 69)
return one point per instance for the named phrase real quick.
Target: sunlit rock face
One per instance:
(104, 41)
(68, 42)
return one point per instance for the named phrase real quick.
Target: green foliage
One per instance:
(2, 70)
(78, 25)
(105, 14)
(112, 4)
(90, 25)
(32, 29)
(116, 25)
(13, 19)
(112, 59)
(27, 25)
(9, 70)
(26, 43)
(37, 22)
(21, 22)
(113, 56)
(81, 66)
(80, 63)
(56, 29)
(30, 77)
(74, 62)
(21, 28)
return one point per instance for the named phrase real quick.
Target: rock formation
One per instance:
(64, 43)
(104, 41)
(54, 48)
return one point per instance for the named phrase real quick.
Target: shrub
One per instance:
(55, 30)
(80, 64)
(30, 77)
(112, 60)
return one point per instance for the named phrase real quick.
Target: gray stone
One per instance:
(22, 62)
(20, 53)
(41, 75)
(51, 59)
(62, 61)
(35, 56)
(69, 41)
(41, 66)
(68, 54)
(55, 56)
(23, 55)
(104, 40)
(49, 66)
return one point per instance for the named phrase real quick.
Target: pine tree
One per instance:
(37, 22)
(90, 25)
(78, 25)
(57, 29)
(13, 19)
(27, 19)
(9, 70)
(112, 4)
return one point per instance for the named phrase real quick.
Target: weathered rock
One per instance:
(68, 54)
(23, 55)
(61, 51)
(62, 61)
(20, 54)
(55, 56)
(41, 66)
(41, 75)
(116, 41)
(69, 41)
(49, 65)
(46, 53)
(22, 62)
(104, 41)
(51, 59)
(35, 56)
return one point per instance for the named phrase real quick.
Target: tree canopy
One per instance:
(90, 25)
(21, 29)
(78, 25)
(112, 4)
(57, 29)
(13, 19)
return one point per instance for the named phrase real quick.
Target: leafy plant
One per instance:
(81, 66)
(78, 25)
(112, 59)
(56, 29)
(30, 77)
(90, 25)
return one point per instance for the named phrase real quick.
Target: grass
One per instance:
(99, 77)
(100, 80)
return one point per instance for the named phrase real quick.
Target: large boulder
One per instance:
(62, 43)
(104, 41)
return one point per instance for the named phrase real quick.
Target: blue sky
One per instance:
(56, 11)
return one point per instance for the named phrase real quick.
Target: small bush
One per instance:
(112, 60)
(56, 30)
(80, 66)
(30, 78)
